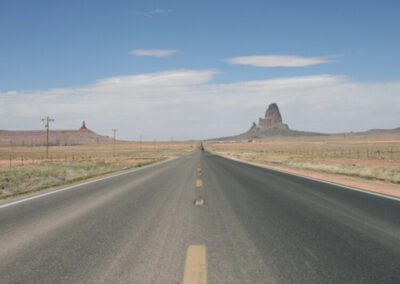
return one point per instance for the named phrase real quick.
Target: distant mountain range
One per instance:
(271, 125)
(82, 135)
(378, 132)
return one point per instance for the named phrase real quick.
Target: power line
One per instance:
(115, 134)
(47, 126)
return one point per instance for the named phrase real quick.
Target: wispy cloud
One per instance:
(154, 52)
(279, 60)
(185, 104)
(154, 12)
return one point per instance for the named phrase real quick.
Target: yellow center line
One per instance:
(199, 202)
(199, 183)
(195, 265)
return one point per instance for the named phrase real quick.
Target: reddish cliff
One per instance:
(57, 137)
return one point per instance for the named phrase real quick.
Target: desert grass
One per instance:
(371, 157)
(25, 169)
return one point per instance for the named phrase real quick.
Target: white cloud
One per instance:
(154, 52)
(184, 104)
(279, 60)
(154, 12)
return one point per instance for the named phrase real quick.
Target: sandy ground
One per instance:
(370, 185)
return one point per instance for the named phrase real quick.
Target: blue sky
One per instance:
(72, 44)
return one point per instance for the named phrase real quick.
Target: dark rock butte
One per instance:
(272, 117)
(269, 126)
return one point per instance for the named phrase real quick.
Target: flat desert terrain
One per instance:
(25, 169)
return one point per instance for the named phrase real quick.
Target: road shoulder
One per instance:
(374, 186)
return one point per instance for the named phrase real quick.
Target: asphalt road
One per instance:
(255, 226)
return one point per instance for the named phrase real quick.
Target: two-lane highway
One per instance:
(255, 226)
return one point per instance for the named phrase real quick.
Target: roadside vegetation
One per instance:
(25, 169)
(375, 158)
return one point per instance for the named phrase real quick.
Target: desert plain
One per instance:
(25, 169)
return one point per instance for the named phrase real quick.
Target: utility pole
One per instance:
(140, 143)
(115, 133)
(47, 120)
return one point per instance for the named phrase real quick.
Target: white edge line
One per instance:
(314, 179)
(84, 183)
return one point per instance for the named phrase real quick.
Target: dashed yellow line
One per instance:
(195, 265)
(199, 202)
(199, 183)
(199, 169)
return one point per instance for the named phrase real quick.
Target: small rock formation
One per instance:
(83, 127)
